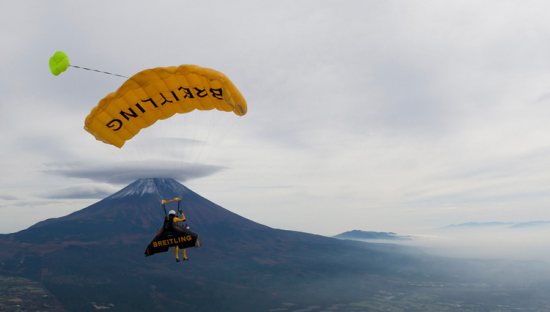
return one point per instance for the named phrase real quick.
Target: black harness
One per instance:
(169, 224)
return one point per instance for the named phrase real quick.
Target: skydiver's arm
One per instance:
(180, 220)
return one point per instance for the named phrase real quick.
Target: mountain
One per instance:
(95, 257)
(368, 235)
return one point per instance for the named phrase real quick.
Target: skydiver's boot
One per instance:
(184, 255)
(176, 253)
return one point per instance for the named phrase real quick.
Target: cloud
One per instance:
(34, 203)
(127, 172)
(499, 241)
(80, 191)
(8, 197)
(543, 98)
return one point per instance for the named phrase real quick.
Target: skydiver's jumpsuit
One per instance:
(176, 220)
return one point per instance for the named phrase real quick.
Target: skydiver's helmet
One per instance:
(172, 213)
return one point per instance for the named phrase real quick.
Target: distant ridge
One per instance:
(368, 235)
(507, 225)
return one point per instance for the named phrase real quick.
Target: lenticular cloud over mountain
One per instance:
(127, 172)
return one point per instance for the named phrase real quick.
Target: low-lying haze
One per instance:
(484, 241)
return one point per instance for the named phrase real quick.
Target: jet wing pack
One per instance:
(171, 234)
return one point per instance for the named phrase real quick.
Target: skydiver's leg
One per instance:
(184, 255)
(176, 253)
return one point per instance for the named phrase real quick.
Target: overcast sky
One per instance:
(373, 115)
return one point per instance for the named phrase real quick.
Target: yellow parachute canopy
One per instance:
(159, 93)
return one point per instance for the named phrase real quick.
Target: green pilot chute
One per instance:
(59, 63)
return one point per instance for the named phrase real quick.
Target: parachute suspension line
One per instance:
(180, 149)
(109, 149)
(150, 147)
(116, 154)
(134, 153)
(181, 144)
(195, 126)
(98, 71)
(140, 149)
(210, 127)
(162, 129)
(165, 130)
(223, 135)
(147, 150)
(169, 141)
(184, 144)
(144, 152)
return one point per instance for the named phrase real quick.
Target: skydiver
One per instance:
(174, 222)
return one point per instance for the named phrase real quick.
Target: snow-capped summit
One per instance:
(163, 188)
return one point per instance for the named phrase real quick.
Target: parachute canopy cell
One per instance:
(59, 63)
(159, 93)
